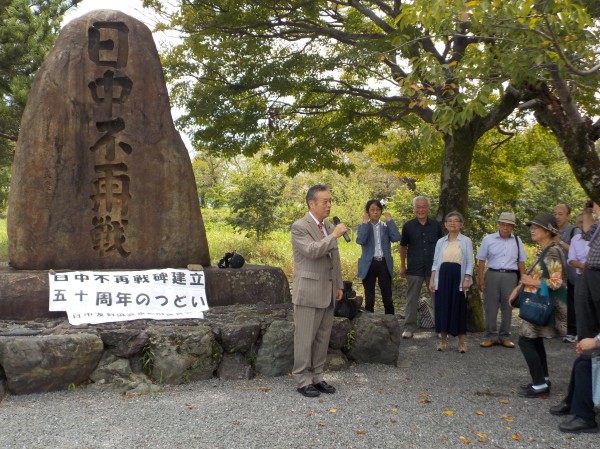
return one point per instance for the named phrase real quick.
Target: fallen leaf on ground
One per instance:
(332, 410)
(361, 432)
(480, 435)
(516, 436)
(395, 409)
(478, 412)
(464, 440)
(424, 401)
(265, 389)
(393, 421)
(311, 413)
(423, 395)
(448, 412)
(504, 401)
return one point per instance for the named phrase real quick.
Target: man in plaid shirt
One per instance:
(588, 300)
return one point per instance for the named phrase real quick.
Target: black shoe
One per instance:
(577, 425)
(529, 385)
(531, 393)
(309, 391)
(324, 387)
(560, 409)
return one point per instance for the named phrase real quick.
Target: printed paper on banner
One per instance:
(94, 297)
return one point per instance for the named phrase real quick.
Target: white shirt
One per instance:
(377, 235)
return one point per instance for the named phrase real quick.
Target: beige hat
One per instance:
(507, 217)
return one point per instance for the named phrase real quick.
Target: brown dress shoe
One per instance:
(488, 343)
(508, 343)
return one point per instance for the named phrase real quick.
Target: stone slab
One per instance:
(24, 294)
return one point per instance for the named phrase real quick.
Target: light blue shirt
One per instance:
(501, 253)
(466, 265)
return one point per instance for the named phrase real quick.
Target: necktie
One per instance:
(321, 229)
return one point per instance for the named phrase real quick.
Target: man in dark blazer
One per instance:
(317, 284)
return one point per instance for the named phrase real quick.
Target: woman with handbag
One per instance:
(549, 271)
(451, 278)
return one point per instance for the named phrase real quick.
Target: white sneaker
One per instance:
(570, 339)
(407, 334)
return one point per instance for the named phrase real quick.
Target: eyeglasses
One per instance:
(453, 221)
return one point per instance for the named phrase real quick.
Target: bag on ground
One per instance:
(425, 313)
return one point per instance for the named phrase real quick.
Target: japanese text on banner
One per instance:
(94, 297)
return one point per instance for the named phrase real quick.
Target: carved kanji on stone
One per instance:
(101, 178)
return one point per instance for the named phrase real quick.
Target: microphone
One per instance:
(336, 221)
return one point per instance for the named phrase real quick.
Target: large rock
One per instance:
(101, 178)
(234, 367)
(276, 353)
(181, 355)
(239, 337)
(46, 363)
(374, 339)
(124, 342)
(339, 332)
(247, 285)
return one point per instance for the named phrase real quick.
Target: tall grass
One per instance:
(3, 241)
(274, 250)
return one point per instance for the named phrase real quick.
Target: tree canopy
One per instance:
(306, 82)
(28, 30)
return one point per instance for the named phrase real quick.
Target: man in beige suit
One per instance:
(317, 284)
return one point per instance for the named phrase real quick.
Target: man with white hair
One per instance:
(419, 237)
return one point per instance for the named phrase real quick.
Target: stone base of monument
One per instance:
(232, 342)
(24, 294)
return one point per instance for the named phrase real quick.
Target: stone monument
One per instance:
(101, 178)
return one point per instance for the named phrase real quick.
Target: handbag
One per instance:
(596, 380)
(536, 307)
(349, 305)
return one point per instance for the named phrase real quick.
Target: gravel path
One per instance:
(430, 400)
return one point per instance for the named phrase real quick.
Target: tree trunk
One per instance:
(454, 186)
(454, 195)
(575, 133)
(581, 153)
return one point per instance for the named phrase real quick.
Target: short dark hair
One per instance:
(375, 202)
(454, 213)
(566, 206)
(312, 192)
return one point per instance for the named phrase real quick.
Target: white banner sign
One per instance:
(104, 296)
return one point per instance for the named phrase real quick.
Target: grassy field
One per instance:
(3, 241)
